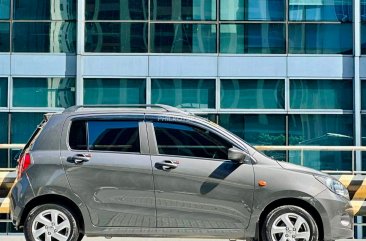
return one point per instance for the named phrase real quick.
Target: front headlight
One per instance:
(333, 185)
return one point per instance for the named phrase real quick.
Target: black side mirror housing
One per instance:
(236, 155)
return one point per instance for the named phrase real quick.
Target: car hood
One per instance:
(301, 169)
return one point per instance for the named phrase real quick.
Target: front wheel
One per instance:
(289, 223)
(51, 222)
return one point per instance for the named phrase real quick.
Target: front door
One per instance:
(196, 186)
(107, 167)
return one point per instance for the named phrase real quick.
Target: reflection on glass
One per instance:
(116, 9)
(4, 9)
(363, 10)
(322, 130)
(321, 10)
(252, 94)
(183, 38)
(116, 37)
(48, 37)
(23, 125)
(273, 10)
(114, 91)
(321, 94)
(183, 10)
(257, 129)
(44, 10)
(4, 37)
(252, 38)
(320, 39)
(44, 92)
(363, 95)
(363, 38)
(3, 139)
(3, 92)
(184, 93)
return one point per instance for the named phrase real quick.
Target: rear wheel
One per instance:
(51, 222)
(289, 223)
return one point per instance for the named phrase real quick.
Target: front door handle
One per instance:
(80, 158)
(167, 165)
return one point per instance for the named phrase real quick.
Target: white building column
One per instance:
(80, 51)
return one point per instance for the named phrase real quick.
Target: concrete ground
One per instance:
(21, 238)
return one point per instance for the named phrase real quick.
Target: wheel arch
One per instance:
(54, 199)
(295, 202)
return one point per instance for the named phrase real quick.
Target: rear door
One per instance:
(197, 187)
(109, 168)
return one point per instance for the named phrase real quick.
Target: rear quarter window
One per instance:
(78, 136)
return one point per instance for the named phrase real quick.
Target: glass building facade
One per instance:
(274, 72)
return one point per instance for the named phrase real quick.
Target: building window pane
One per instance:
(116, 37)
(118, 136)
(4, 9)
(44, 10)
(3, 139)
(116, 10)
(49, 37)
(183, 10)
(363, 38)
(114, 91)
(43, 92)
(184, 93)
(23, 125)
(321, 94)
(252, 38)
(252, 94)
(363, 131)
(4, 37)
(183, 38)
(322, 130)
(363, 95)
(270, 10)
(320, 39)
(3, 92)
(320, 10)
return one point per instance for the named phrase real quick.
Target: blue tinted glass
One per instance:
(363, 96)
(4, 9)
(320, 39)
(4, 37)
(3, 92)
(183, 38)
(252, 38)
(3, 139)
(116, 10)
(44, 10)
(363, 10)
(363, 38)
(120, 136)
(114, 91)
(186, 10)
(23, 125)
(116, 37)
(184, 93)
(322, 130)
(321, 10)
(43, 92)
(321, 94)
(252, 94)
(252, 10)
(47, 37)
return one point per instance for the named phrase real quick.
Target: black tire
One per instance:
(275, 215)
(81, 236)
(72, 232)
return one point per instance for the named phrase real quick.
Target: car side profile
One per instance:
(157, 171)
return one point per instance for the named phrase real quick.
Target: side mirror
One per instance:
(236, 155)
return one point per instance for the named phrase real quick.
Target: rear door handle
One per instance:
(167, 165)
(80, 158)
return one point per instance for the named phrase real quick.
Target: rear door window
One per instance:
(118, 136)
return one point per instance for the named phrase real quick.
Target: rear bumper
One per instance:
(20, 193)
(336, 214)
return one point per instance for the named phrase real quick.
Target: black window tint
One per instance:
(121, 136)
(183, 140)
(77, 136)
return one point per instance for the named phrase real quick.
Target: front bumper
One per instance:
(336, 214)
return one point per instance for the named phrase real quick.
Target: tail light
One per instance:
(24, 162)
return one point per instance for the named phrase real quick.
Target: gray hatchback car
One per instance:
(156, 171)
